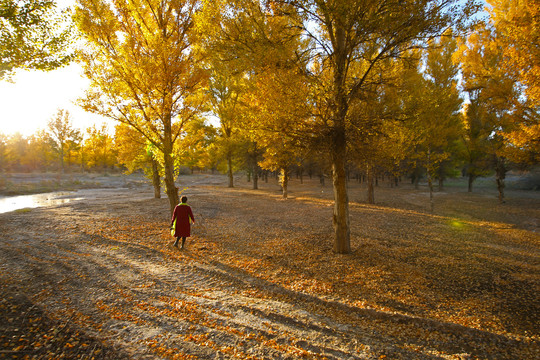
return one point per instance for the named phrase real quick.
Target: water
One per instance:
(12, 203)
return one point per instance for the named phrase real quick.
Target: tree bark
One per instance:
(229, 169)
(500, 175)
(471, 180)
(62, 166)
(156, 181)
(284, 179)
(371, 189)
(416, 179)
(430, 185)
(430, 180)
(342, 240)
(255, 177)
(170, 187)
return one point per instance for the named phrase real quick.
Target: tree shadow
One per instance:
(387, 333)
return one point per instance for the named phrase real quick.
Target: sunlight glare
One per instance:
(33, 98)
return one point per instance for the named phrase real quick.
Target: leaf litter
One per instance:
(99, 279)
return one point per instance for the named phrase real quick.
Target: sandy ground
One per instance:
(98, 278)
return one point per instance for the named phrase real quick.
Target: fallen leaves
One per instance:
(416, 284)
(27, 332)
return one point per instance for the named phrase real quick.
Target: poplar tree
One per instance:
(516, 25)
(348, 40)
(33, 35)
(137, 153)
(142, 60)
(365, 33)
(498, 93)
(63, 137)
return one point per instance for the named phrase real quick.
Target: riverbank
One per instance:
(12, 184)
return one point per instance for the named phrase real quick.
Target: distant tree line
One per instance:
(59, 148)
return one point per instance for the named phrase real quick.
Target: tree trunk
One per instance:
(62, 166)
(255, 177)
(500, 175)
(156, 181)
(500, 187)
(284, 180)
(342, 241)
(338, 138)
(170, 187)
(430, 185)
(229, 170)
(471, 180)
(370, 187)
(430, 180)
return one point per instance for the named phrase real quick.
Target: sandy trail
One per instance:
(138, 300)
(137, 297)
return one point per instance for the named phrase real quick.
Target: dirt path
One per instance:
(138, 300)
(98, 278)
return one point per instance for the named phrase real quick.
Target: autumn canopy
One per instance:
(421, 89)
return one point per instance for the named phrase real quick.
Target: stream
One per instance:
(12, 203)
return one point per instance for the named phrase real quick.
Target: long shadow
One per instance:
(25, 323)
(513, 297)
(448, 338)
(385, 333)
(432, 334)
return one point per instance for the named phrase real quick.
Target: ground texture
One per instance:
(98, 278)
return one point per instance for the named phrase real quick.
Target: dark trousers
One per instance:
(178, 238)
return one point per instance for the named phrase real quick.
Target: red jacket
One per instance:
(182, 214)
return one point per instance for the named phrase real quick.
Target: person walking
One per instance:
(181, 221)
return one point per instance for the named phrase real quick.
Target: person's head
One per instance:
(183, 199)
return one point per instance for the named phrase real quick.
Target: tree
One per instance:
(435, 124)
(40, 152)
(444, 104)
(64, 138)
(254, 154)
(226, 86)
(475, 137)
(376, 142)
(16, 147)
(3, 153)
(250, 43)
(137, 153)
(33, 35)
(99, 148)
(280, 115)
(352, 39)
(516, 26)
(348, 41)
(196, 141)
(499, 95)
(143, 64)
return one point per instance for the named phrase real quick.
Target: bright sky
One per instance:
(34, 97)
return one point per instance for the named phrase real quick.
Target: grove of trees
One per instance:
(416, 89)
